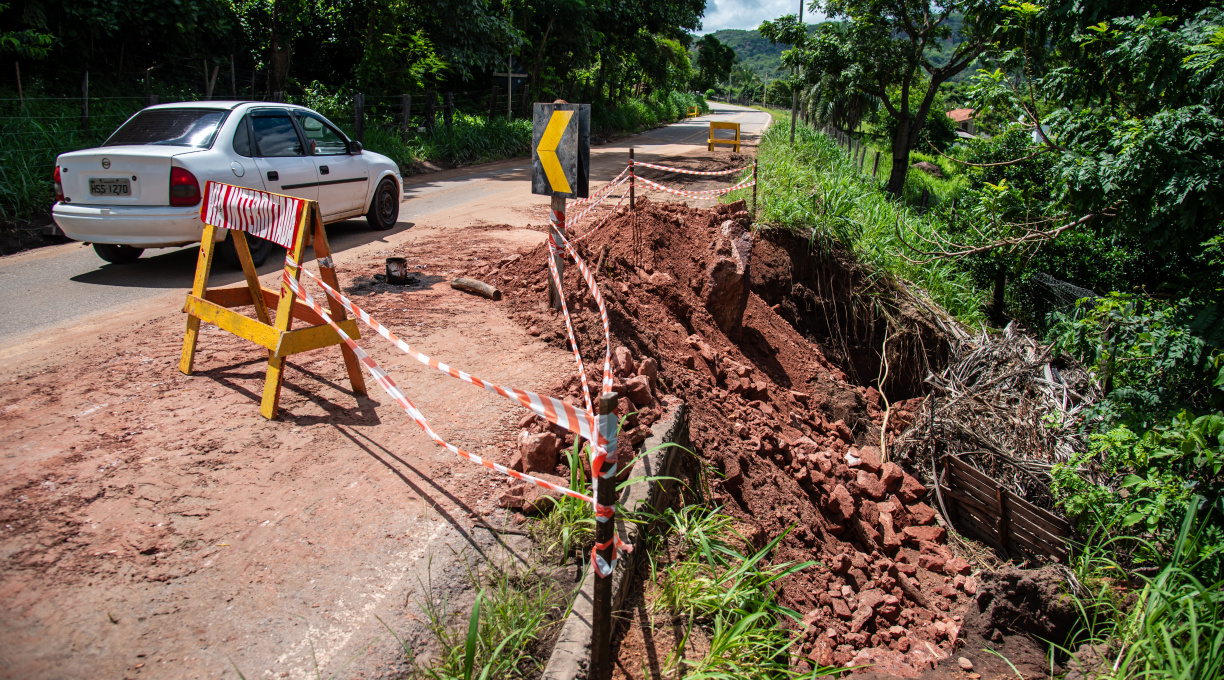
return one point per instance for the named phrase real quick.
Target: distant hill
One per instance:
(765, 58)
(754, 51)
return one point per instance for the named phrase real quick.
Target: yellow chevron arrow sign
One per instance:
(548, 151)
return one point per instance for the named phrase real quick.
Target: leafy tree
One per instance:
(1129, 106)
(884, 50)
(714, 62)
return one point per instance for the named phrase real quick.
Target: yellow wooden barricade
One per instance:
(693, 112)
(718, 125)
(277, 335)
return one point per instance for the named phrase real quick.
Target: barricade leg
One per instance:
(327, 271)
(203, 267)
(284, 321)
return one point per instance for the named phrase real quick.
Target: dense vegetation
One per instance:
(630, 58)
(1096, 181)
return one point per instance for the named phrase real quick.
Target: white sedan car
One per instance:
(141, 188)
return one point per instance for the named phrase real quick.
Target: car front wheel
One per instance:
(260, 249)
(384, 208)
(116, 254)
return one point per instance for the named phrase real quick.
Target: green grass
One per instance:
(815, 190)
(702, 576)
(569, 526)
(1168, 626)
(498, 638)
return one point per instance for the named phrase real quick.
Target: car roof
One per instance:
(222, 105)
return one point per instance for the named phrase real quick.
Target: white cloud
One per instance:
(748, 14)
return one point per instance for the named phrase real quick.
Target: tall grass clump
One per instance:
(703, 577)
(31, 136)
(1168, 625)
(815, 190)
(499, 637)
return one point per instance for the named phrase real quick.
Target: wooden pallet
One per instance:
(982, 508)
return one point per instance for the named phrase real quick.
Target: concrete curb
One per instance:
(572, 651)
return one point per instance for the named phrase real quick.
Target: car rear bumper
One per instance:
(139, 226)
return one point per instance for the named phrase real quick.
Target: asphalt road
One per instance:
(66, 285)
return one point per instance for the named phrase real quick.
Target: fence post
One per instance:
(925, 196)
(632, 178)
(233, 79)
(278, 96)
(406, 113)
(605, 495)
(448, 113)
(493, 102)
(876, 165)
(556, 223)
(527, 100)
(754, 187)
(85, 101)
(20, 96)
(429, 110)
(359, 117)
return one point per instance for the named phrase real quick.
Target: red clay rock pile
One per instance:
(794, 444)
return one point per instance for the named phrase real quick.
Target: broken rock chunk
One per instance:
(841, 503)
(539, 451)
(638, 389)
(920, 533)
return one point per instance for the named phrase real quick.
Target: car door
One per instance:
(343, 178)
(280, 155)
(242, 164)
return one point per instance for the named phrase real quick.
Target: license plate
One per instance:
(110, 186)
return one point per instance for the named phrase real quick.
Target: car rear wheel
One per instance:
(260, 249)
(116, 254)
(384, 208)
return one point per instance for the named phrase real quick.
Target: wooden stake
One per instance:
(85, 101)
(632, 179)
(20, 96)
(754, 187)
(359, 117)
(406, 113)
(601, 610)
(875, 166)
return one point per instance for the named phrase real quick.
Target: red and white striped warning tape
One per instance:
(684, 171)
(602, 222)
(573, 218)
(392, 390)
(576, 420)
(599, 195)
(709, 193)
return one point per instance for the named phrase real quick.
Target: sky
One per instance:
(746, 14)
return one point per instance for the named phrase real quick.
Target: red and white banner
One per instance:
(272, 217)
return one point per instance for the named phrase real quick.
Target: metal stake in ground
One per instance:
(601, 609)
(754, 187)
(556, 224)
(632, 180)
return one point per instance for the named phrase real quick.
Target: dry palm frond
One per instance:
(1004, 407)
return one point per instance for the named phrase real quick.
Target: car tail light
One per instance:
(59, 185)
(184, 188)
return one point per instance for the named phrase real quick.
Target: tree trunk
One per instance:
(280, 52)
(535, 69)
(900, 159)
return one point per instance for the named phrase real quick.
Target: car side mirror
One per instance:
(354, 148)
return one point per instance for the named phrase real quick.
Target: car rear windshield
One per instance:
(170, 127)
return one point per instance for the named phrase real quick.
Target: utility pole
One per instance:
(795, 86)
